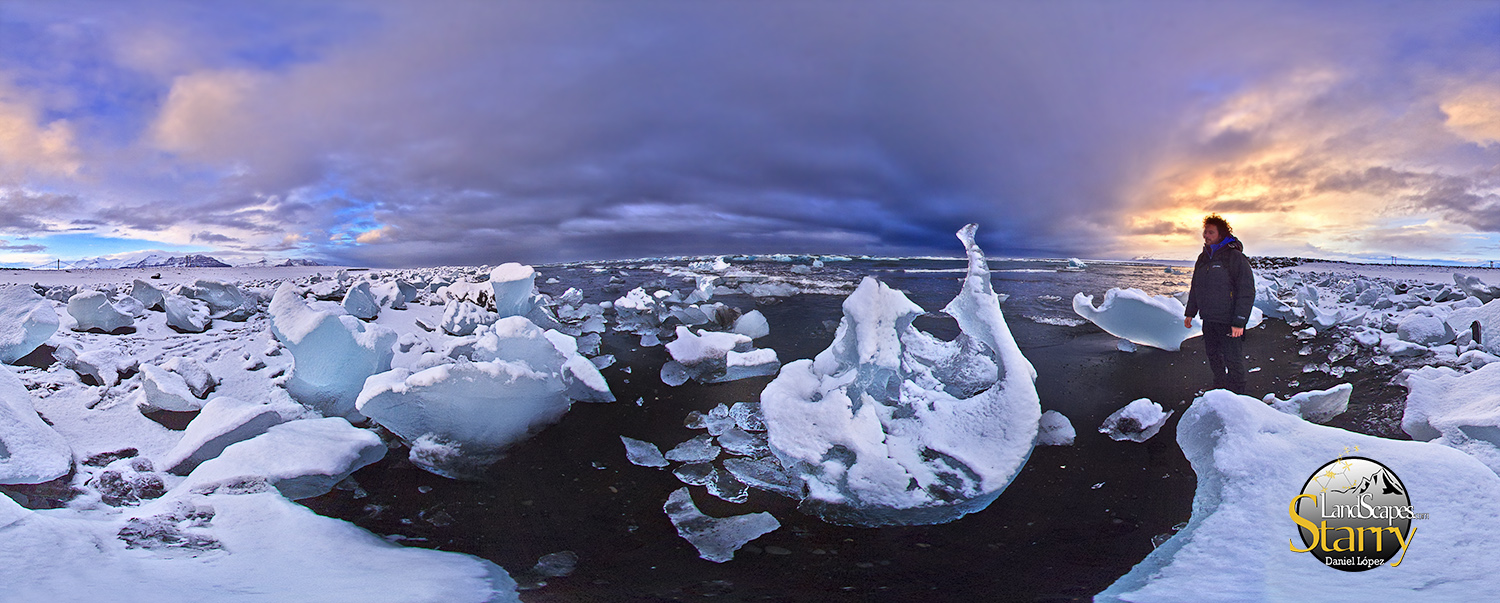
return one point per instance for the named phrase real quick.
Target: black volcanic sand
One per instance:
(1074, 520)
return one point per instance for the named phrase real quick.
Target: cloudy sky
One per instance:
(469, 132)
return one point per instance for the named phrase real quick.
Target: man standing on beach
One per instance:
(1222, 294)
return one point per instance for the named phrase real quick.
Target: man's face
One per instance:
(1211, 234)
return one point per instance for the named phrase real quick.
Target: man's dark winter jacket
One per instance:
(1223, 285)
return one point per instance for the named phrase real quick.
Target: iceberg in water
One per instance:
(459, 417)
(891, 425)
(1154, 320)
(332, 354)
(1251, 460)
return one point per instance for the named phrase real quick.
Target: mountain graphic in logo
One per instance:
(1381, 481)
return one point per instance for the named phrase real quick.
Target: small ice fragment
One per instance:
(642, 453)
(739, 442)
(694, 474)
(1137, 421)
(673, 374)
(641, 401)
(695, 420)
(715, 538)
(1097, 486)
(1126, 345)
(719, 420)
(1315, 406)
(603, 362)
(697, 450)
(762, 473)
(556, 565)
(650, 340)
(722, 484)
(747, 416)
(752, 324)
(1055, 430)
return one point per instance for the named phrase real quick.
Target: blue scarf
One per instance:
(1212, 249)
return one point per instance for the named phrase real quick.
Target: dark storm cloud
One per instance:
(28, 248)
(469, 132)
(210, 237)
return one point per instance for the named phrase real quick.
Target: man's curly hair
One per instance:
(1220, 223)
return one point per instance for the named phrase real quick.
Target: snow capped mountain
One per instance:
(157, 259)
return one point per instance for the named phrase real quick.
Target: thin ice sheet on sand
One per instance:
(253, 548)
(1251, 460)
(716, 538)
(890, 425)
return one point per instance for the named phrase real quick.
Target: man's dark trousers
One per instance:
(1226, 356)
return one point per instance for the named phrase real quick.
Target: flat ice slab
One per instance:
(26, 321)
(302, 459)
(1152, 320)
(716, 538)
(1251, 460)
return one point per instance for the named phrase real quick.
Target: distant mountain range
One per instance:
(157, 260)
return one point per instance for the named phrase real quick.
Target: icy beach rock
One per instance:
(1055, 430)
(752, 324)
(150, 297)
(1475, 287)
(30, 451)
(302, 459)
(1315, 406)
(93, 312)
(1133, 315)
(1425, 330)
(1137, 421)
(467, 413)
(162, 389)
(27, 320)
(1251, 460)
(223, 421)
(462, 318)
(186, 315)
(716, 538)
(101, 364)
(1455, 409)
(225, 300)
(332, 355)
(890, 425)
(514, 287)
(714, 357)
(360, 302)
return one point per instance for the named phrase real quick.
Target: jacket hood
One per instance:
(1232, 242)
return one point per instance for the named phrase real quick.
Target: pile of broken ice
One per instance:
(891, 425)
